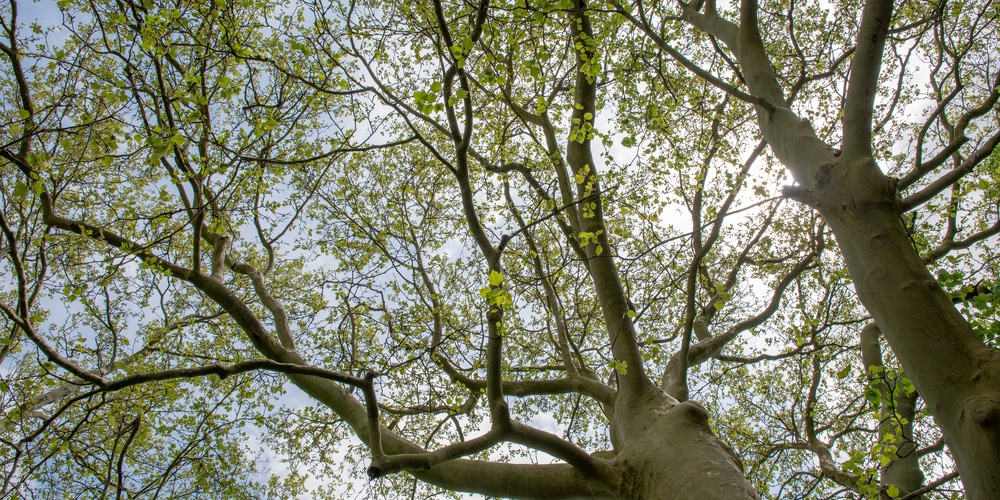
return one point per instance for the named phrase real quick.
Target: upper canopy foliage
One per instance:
(203, 201)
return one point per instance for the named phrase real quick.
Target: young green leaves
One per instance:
(495, 294)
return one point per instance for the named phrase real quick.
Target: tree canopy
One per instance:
(519, 248)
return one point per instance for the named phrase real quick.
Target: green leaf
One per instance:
(20, 190)
(907, 385)
(495, 278)
(873, 395)
(620, 366)
(892, 491)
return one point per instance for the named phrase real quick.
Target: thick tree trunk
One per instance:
(953, 370)
(670, 452)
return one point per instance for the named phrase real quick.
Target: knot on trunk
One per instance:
(693, 412)
(985, 412)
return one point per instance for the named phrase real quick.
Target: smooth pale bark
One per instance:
(953, 370)
(670, 452)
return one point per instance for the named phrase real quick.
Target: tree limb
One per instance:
(863, 84)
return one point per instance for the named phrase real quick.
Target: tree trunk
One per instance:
(953, 370)
(670, 452)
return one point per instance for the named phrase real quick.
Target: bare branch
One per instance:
(863, 84)
(945, 181)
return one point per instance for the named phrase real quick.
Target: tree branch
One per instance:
(863, 84)
(945, 181)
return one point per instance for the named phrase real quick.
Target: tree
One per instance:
(449, 223)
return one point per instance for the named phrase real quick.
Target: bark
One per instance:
(956, 373)
(670, 452)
